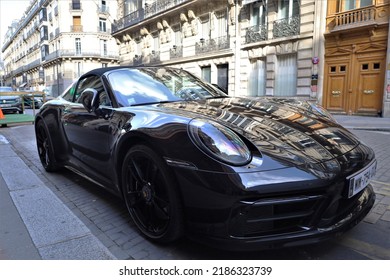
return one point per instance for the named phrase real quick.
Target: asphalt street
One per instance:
(63, 216)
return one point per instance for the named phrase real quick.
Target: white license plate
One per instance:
(361, 179)
(5, 105)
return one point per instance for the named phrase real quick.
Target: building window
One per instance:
(257, 78)
(206, 73)
(44, 51)
(223, 76)
(76, 5)
(132, 6)
(103, 47)
(204, 31)
(42, 15)
(286, 75)
(43, 32)
(104, 65)
(177, 35)
(258, 14)
(346, 5)
(78, 69)
(222, 23)
(102, 25)
(77, 27)
(288, 8)
(78, 46)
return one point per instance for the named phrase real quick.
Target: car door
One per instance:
(88, 133)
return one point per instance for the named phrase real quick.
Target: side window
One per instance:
(68, 93)
(93, 82)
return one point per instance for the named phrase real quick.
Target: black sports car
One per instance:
(236, 172)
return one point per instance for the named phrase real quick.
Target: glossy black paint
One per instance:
(293, 192)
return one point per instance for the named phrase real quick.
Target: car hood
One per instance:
(279, 128)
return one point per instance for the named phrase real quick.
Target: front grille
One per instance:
(275, 215)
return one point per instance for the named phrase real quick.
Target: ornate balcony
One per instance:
(137, 60)
(211, 45)
(76, 28)
(160, 6)
(150, 10)
(286, 27)
(363, 17)
(256, 33)
(155, 57)
(129, 20)
(176, 52)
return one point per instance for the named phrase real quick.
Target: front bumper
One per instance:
(246, 238)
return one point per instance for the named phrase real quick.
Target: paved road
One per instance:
(106, 217)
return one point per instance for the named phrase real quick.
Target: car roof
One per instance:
(101, 71)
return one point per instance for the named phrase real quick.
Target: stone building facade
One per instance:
(58, 40)
(254, 48)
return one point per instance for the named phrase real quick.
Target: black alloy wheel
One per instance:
(44, 147)
(151, 196)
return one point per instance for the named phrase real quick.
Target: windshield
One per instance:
(140, 86)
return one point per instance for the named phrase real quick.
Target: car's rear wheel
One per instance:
(151, 195)
(45, 148)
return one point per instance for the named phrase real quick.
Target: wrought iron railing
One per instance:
(176, 52)
(149, 11)
(286, 27)
(137, 60)
(256, 33)
(128, 20)
(210, 45)
(155, 57)
(82, 53)
(160, 6)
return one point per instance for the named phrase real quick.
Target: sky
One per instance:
(10, 10)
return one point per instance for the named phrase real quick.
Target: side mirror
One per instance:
(89, 99)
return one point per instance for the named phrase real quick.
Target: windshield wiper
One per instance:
(154, 102)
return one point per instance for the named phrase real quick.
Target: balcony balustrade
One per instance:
(150, 10)
(76, 28)
(286, 27)
(155, 57)
(353, 18)
(256, 33)
(137, 60)
(211, 45)
(176, 52)
(81, 53)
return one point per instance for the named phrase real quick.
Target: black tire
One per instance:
(45, 148)
(151, 195)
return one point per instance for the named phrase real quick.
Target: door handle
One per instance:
(336, 92)
(368, 91)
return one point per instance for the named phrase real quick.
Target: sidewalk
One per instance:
(34, 223)
(363, 123)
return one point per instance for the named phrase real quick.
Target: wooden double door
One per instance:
(354, 83)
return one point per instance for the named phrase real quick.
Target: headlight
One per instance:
(219, 142)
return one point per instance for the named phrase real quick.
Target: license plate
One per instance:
(361, 179)
(5, 105)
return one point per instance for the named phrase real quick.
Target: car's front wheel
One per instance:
(151, 195)
(45, 148)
